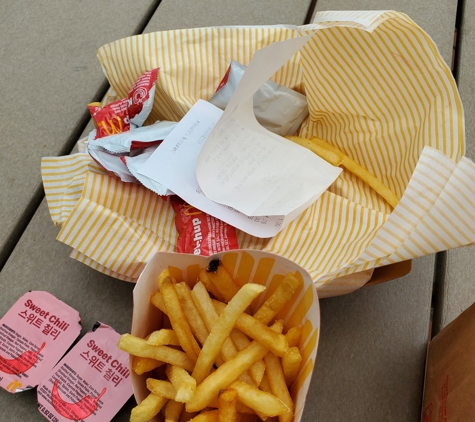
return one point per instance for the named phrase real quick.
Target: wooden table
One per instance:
(370, 362)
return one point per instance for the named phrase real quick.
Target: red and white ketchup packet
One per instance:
(200, 233)
(142, 137)
(110, 119)
(126, 113)
(91, 382)
(140, 98)
(35, 332)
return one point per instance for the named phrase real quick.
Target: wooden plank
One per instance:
(49, 73)
(370, 362)
(180, 14)
(456, 287)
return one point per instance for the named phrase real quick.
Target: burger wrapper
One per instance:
(246, 267)
(377, 89)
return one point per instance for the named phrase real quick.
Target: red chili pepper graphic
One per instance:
(74, 411)
(20, 364)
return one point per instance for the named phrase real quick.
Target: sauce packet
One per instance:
(134, 164)
(200, 233)
(110, 119)
(91, 382)
(34, 334)
(112, 151)
(279, 109)
(140, 98)
(126, 113)
(142, 137)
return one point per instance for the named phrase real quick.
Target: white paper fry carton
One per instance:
(246, 267)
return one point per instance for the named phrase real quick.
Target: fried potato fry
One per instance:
(161, 388)
(209, 416)
(213, 416)
(210, 287)
(221, 280)
(157, 300)
(148, 408)
(278, 299)
(222, 328)
(293, 336)
(142, 365)
(139, 347)
(336, 157)
(228, 373)
(197, 324)
(177, 317)
(186, 417)
(163, 337)
(184, 383)
(265, 385)
(240, 408)
(173, 411)
(227, 402)
(291, 364)
(262, 402)
(210, 316)
(241, 341)
(278, 386)
(275, 342)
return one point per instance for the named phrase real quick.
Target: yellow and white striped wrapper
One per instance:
(246, 267)
(377, 89)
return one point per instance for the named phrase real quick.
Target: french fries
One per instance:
(173, 411)
(227, 405)
(139, 347)
(278, 386)
(213, 416)
(245, 365)
(210, 316)
(256, 370)
(198, 326)
(163, 337)
(161, 388)
(148, 408)
(177, 317)
(262, 402)
(278, 299)
(221, 330)
(275, 342)
(293, 336)
(184, 383)
(204, 278)
(142, 365)
(221, 280)
(291, 364)
(227, 373)
(336, 157)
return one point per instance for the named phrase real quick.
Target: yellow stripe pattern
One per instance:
(377, 89)
(63, 181)
(119, 226)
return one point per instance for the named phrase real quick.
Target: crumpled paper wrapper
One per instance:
(377, 89)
